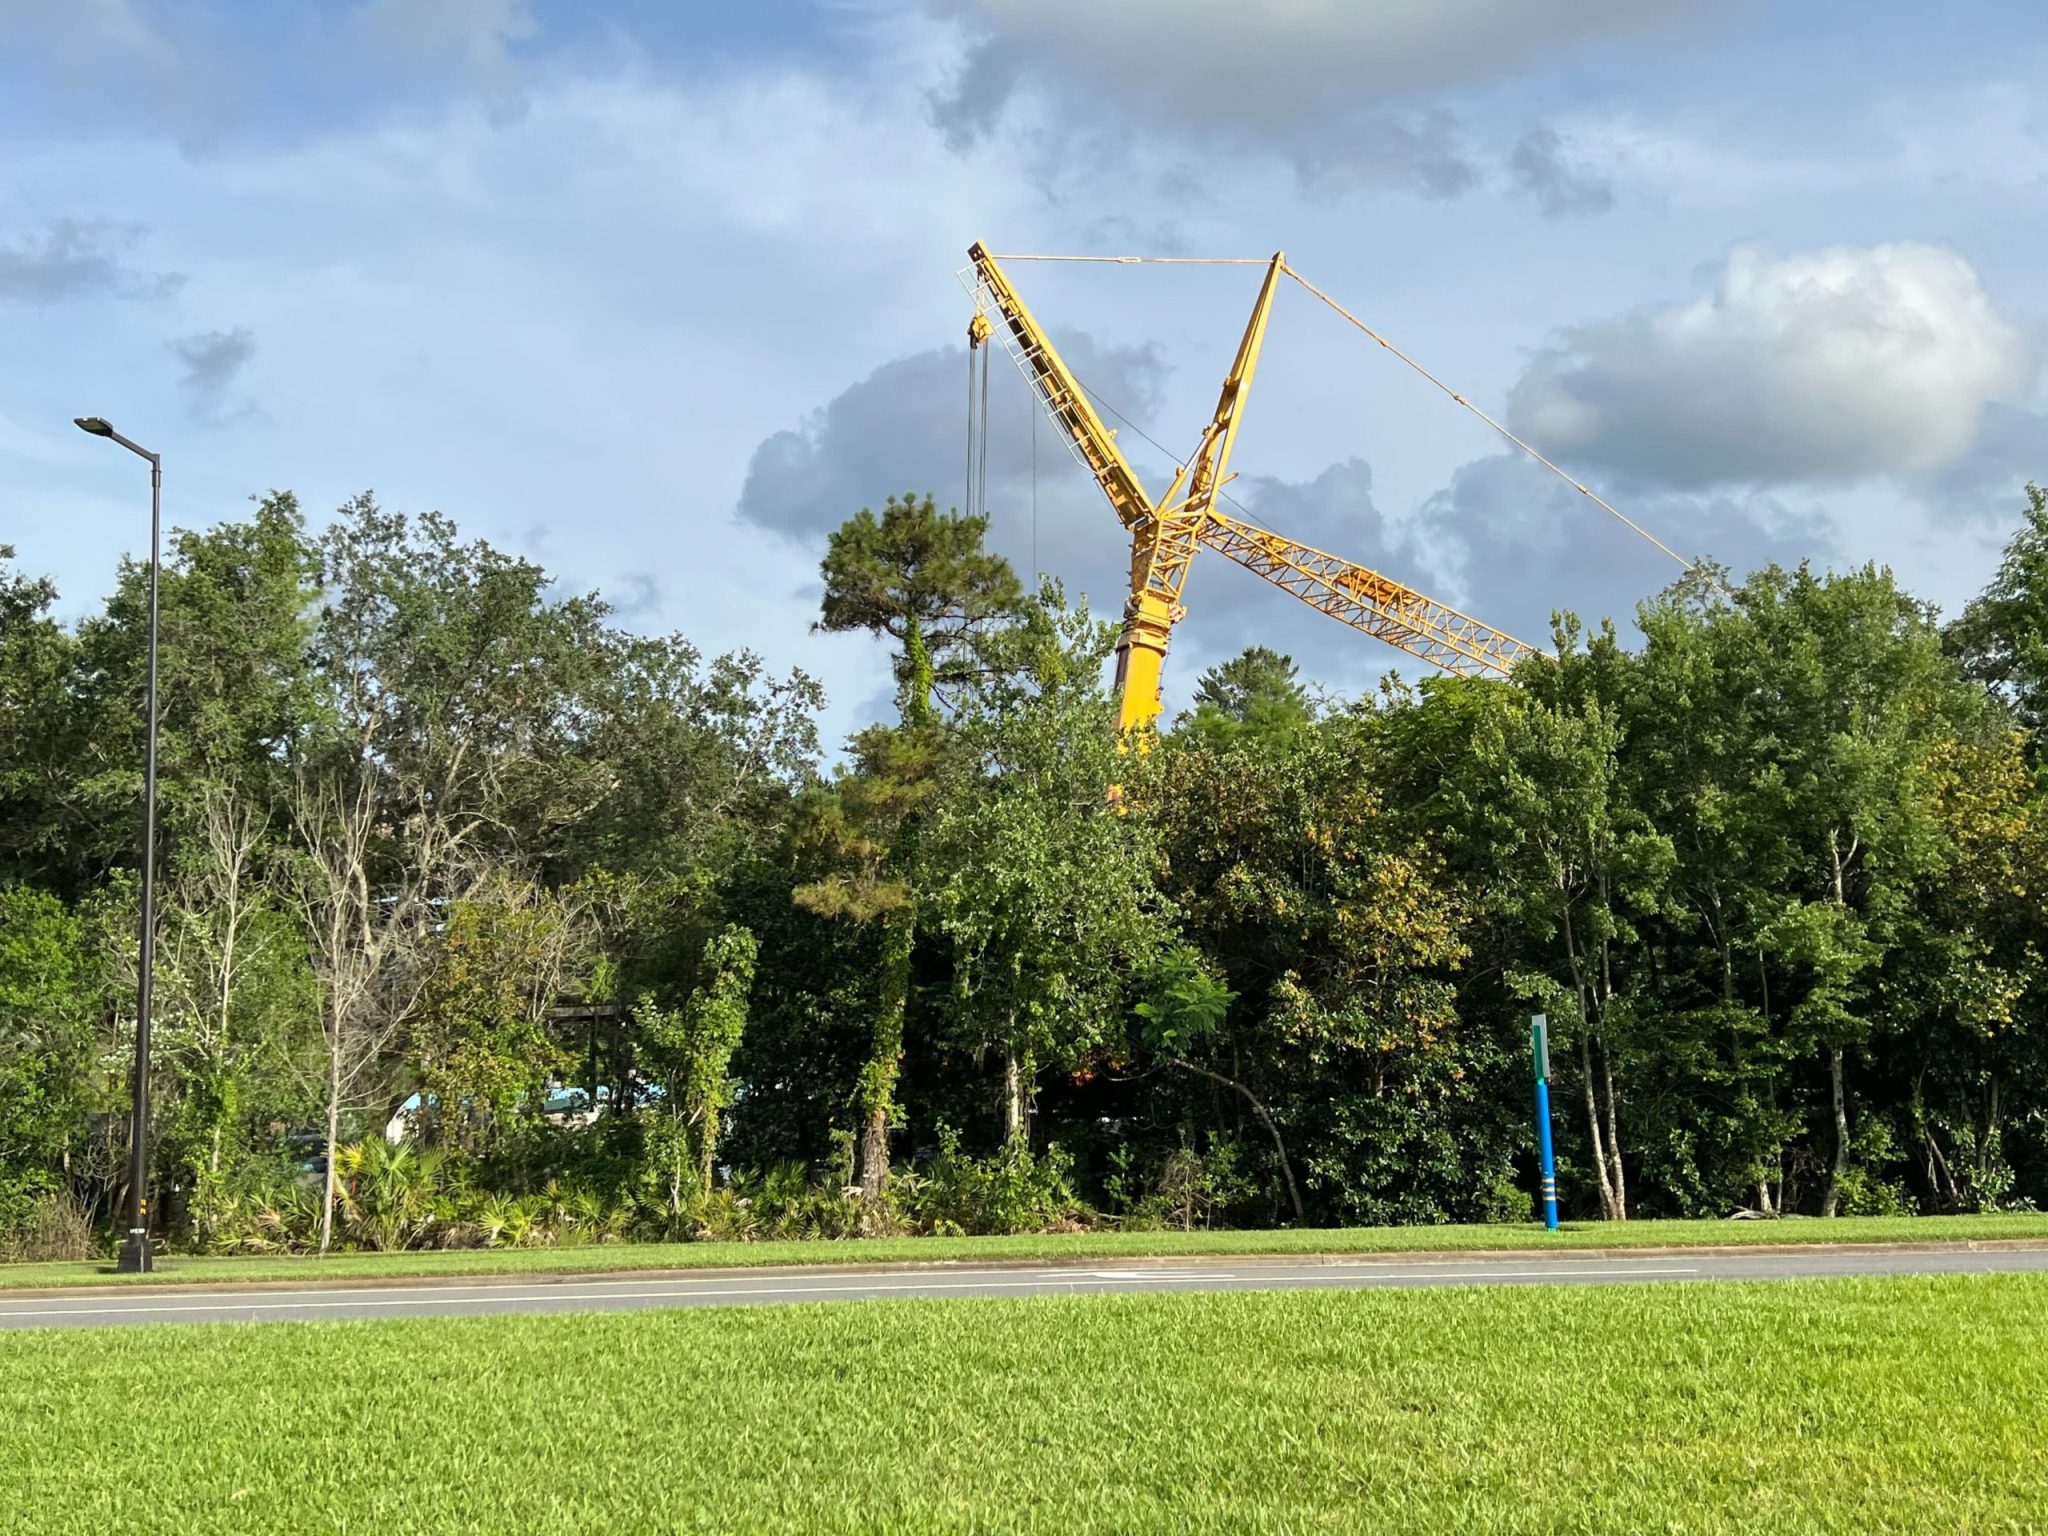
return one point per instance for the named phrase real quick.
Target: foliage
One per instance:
(2002, 636)
(1256, 695)
(504, 956)
(1043, 887)
(921, 577)
(690, 1050)
(1012, 1190)
(49, 993)
(487, 921)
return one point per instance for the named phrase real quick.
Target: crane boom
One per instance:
(1065, 401)
(1165, 533)
(1163, 546)
(1378, 605)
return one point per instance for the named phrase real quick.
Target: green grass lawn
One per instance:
(1909, 1404)
(1083, 1245)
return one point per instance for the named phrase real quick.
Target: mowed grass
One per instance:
(628, 1257)
(1906, 1404)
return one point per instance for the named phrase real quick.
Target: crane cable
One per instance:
(967, 494)
(1177, 461)
(981, 469)
(1257, 261)
(975, 498)
(1604, 505)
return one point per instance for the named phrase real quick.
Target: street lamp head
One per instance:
(98, 426)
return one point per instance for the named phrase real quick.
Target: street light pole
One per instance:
(135, 1255)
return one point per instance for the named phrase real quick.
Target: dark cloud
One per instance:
(1520, 544)
(1265, 68)
(214, 361)
(78, 259)
(1425, 154)
(971, 107)
(1541, 167)
(904, 429)
(1331, 87)
(1985, 483)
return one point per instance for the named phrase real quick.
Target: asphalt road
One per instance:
(474, 1298)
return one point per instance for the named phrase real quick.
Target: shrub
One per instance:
(44, 1222)
(1010, 1191)
(1186, 1190)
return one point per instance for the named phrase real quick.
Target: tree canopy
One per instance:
(486, 919)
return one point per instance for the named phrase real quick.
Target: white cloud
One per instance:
(1835, 364)
(1205, 61)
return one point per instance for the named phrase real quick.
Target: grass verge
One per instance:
(629, 1257)
(1907, 1404)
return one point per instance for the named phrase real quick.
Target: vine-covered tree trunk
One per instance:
(1016, 1094)
(885, 1053)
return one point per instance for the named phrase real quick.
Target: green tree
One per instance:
(49, 995)
(2002, 636)
(696, 762)
(1856, 700)
(40, 745)
(1696, 764)
(1974, 976)
(1043, 886)
(237, 686)
(1335, 920)
(922, 578)
(1582, 865)
(691, 1049)
(1256, 693)
(480, 1037)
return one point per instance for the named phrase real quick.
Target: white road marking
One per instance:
(685, 1289)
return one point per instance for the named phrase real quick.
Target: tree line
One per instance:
(485, 919)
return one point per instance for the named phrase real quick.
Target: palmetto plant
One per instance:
(495, 1217)
(388, 1193)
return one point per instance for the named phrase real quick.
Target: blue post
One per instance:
(1539, 1050)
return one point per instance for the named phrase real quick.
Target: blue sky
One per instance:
(658, 293)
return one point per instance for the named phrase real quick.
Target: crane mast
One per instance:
(1165, 533)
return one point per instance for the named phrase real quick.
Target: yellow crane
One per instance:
(1166, 531)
